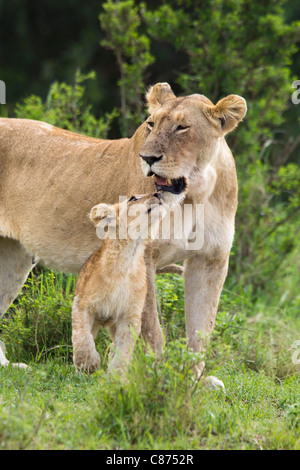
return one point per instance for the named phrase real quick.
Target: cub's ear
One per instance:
(157, 95)
(105, 212)
(229, 111)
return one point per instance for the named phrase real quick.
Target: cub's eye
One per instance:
(133, 198)
(181, 128)
(150, 125)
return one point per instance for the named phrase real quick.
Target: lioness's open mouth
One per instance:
(175, 186)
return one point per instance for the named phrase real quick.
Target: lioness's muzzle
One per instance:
(175, 186)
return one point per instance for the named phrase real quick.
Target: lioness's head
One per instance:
(184, 135)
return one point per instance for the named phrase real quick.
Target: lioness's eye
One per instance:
(181, 128)
(133, 198)
(150, 125)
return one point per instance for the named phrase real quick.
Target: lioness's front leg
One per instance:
(151, 330)
(204, 279)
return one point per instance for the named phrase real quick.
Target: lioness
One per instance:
(50, 179)
(111, 287)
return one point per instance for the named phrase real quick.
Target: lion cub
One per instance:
(111, 287)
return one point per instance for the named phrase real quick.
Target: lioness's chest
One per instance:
(200, 230)
(181, 234)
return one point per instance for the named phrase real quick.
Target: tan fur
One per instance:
(50, 179)
(111, 288)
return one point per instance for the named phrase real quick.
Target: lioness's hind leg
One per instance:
(15, 265)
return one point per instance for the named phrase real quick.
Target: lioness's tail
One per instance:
(171, 268)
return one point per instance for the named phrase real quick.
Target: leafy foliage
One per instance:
(121, 23)
(65, 108)
(160, 405)
(38, 326)
(228, 54)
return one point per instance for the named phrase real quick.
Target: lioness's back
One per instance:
(49, 180)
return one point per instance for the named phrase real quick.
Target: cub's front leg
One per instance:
(85, 356)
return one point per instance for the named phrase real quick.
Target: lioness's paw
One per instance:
(88, 361)
(5, 362)
(212, 383)
(19, 365)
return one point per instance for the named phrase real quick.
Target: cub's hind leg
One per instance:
(126, 332)
(15, 265)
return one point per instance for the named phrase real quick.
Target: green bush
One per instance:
(38, 325)
(245, 47)
(65, 108)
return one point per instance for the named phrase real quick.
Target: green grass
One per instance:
(160, 406)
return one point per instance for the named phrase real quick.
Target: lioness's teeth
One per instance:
(169, 181)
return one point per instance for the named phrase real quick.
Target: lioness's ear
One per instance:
(157, 95)
(102, 211)
(229, 111)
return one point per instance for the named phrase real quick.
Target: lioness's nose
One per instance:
(150, 159)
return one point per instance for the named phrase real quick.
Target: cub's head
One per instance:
(184, 135)
(135, 218)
